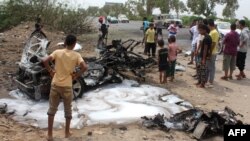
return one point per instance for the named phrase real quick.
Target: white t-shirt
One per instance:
(195, 32)
(199, 39)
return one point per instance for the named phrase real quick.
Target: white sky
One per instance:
(242, 11)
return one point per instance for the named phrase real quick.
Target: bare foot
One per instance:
(201, 86)
(67, 135)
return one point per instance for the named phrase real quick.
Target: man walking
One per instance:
(61, 87)
(213, 52)
(231, 42)
(242, 52)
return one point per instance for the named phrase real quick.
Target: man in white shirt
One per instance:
(195, 32)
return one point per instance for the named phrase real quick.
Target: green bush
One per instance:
(188, 20)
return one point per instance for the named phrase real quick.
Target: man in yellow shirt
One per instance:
(61, 86)
(150, 38)
(213, 52)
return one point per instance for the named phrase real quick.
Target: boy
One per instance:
(150, 38)
(204, 54)
(162, 61)
(61, 86)
(173, 49)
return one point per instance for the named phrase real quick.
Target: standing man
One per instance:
(195, 33)
(231, 42)
(145, 26)
(150, 37)
(172, 29)
(213, 52)
(203, 55)
(242, 52)
(61, 87)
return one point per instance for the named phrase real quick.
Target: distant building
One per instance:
(113, 3)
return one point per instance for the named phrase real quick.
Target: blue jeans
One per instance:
(211, 68)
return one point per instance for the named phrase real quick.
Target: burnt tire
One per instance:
(78, 88)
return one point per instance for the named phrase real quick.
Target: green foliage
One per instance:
(188, 20)
(206, 7)
(247, 21)
(54, 15)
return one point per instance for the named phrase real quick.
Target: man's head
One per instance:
(203, 29)
(233, 26)
(171, 39)
(145, 18)
(70, 41)
(100, 20)
(161, 43)
(211, 24)
(205, 21)
(242, 24)
(151, 25)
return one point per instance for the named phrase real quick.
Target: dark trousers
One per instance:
(151, 49)
(202, 73)
(241, 60)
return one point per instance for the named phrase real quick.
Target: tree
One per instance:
(206, 7)
(93, 11)
(202, 7)
(230, 8)
(178, 6)
(164, 5)
(135, 9)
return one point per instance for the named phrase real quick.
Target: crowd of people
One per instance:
(205, 41)
(166, 56)
(204, 50)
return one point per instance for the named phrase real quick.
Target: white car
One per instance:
(223, 28)
(123, 18)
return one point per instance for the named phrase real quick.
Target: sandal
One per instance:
(230, 77)
(239, 78)
(224, 78)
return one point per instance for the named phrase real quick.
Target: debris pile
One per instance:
(202, 124)
(3, 108)
(115, 59)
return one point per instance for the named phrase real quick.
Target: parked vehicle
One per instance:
(113, 20)
(166, 19)
(123, 18)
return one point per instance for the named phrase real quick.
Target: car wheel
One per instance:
(78, 87)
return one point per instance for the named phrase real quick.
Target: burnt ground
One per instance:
(233, 93)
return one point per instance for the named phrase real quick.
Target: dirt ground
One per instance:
(233, 93)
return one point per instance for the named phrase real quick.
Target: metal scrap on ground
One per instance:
(202, 124)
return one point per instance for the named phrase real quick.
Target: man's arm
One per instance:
(204, 54)
(83, 68)
(243, 41)
(46, 61)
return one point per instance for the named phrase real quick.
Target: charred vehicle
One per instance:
(34, 80)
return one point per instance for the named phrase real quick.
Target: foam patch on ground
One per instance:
(116, 103)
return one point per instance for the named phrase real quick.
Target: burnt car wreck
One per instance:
(201, 124)
(115, 59)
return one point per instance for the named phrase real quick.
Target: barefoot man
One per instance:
(61, 87)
